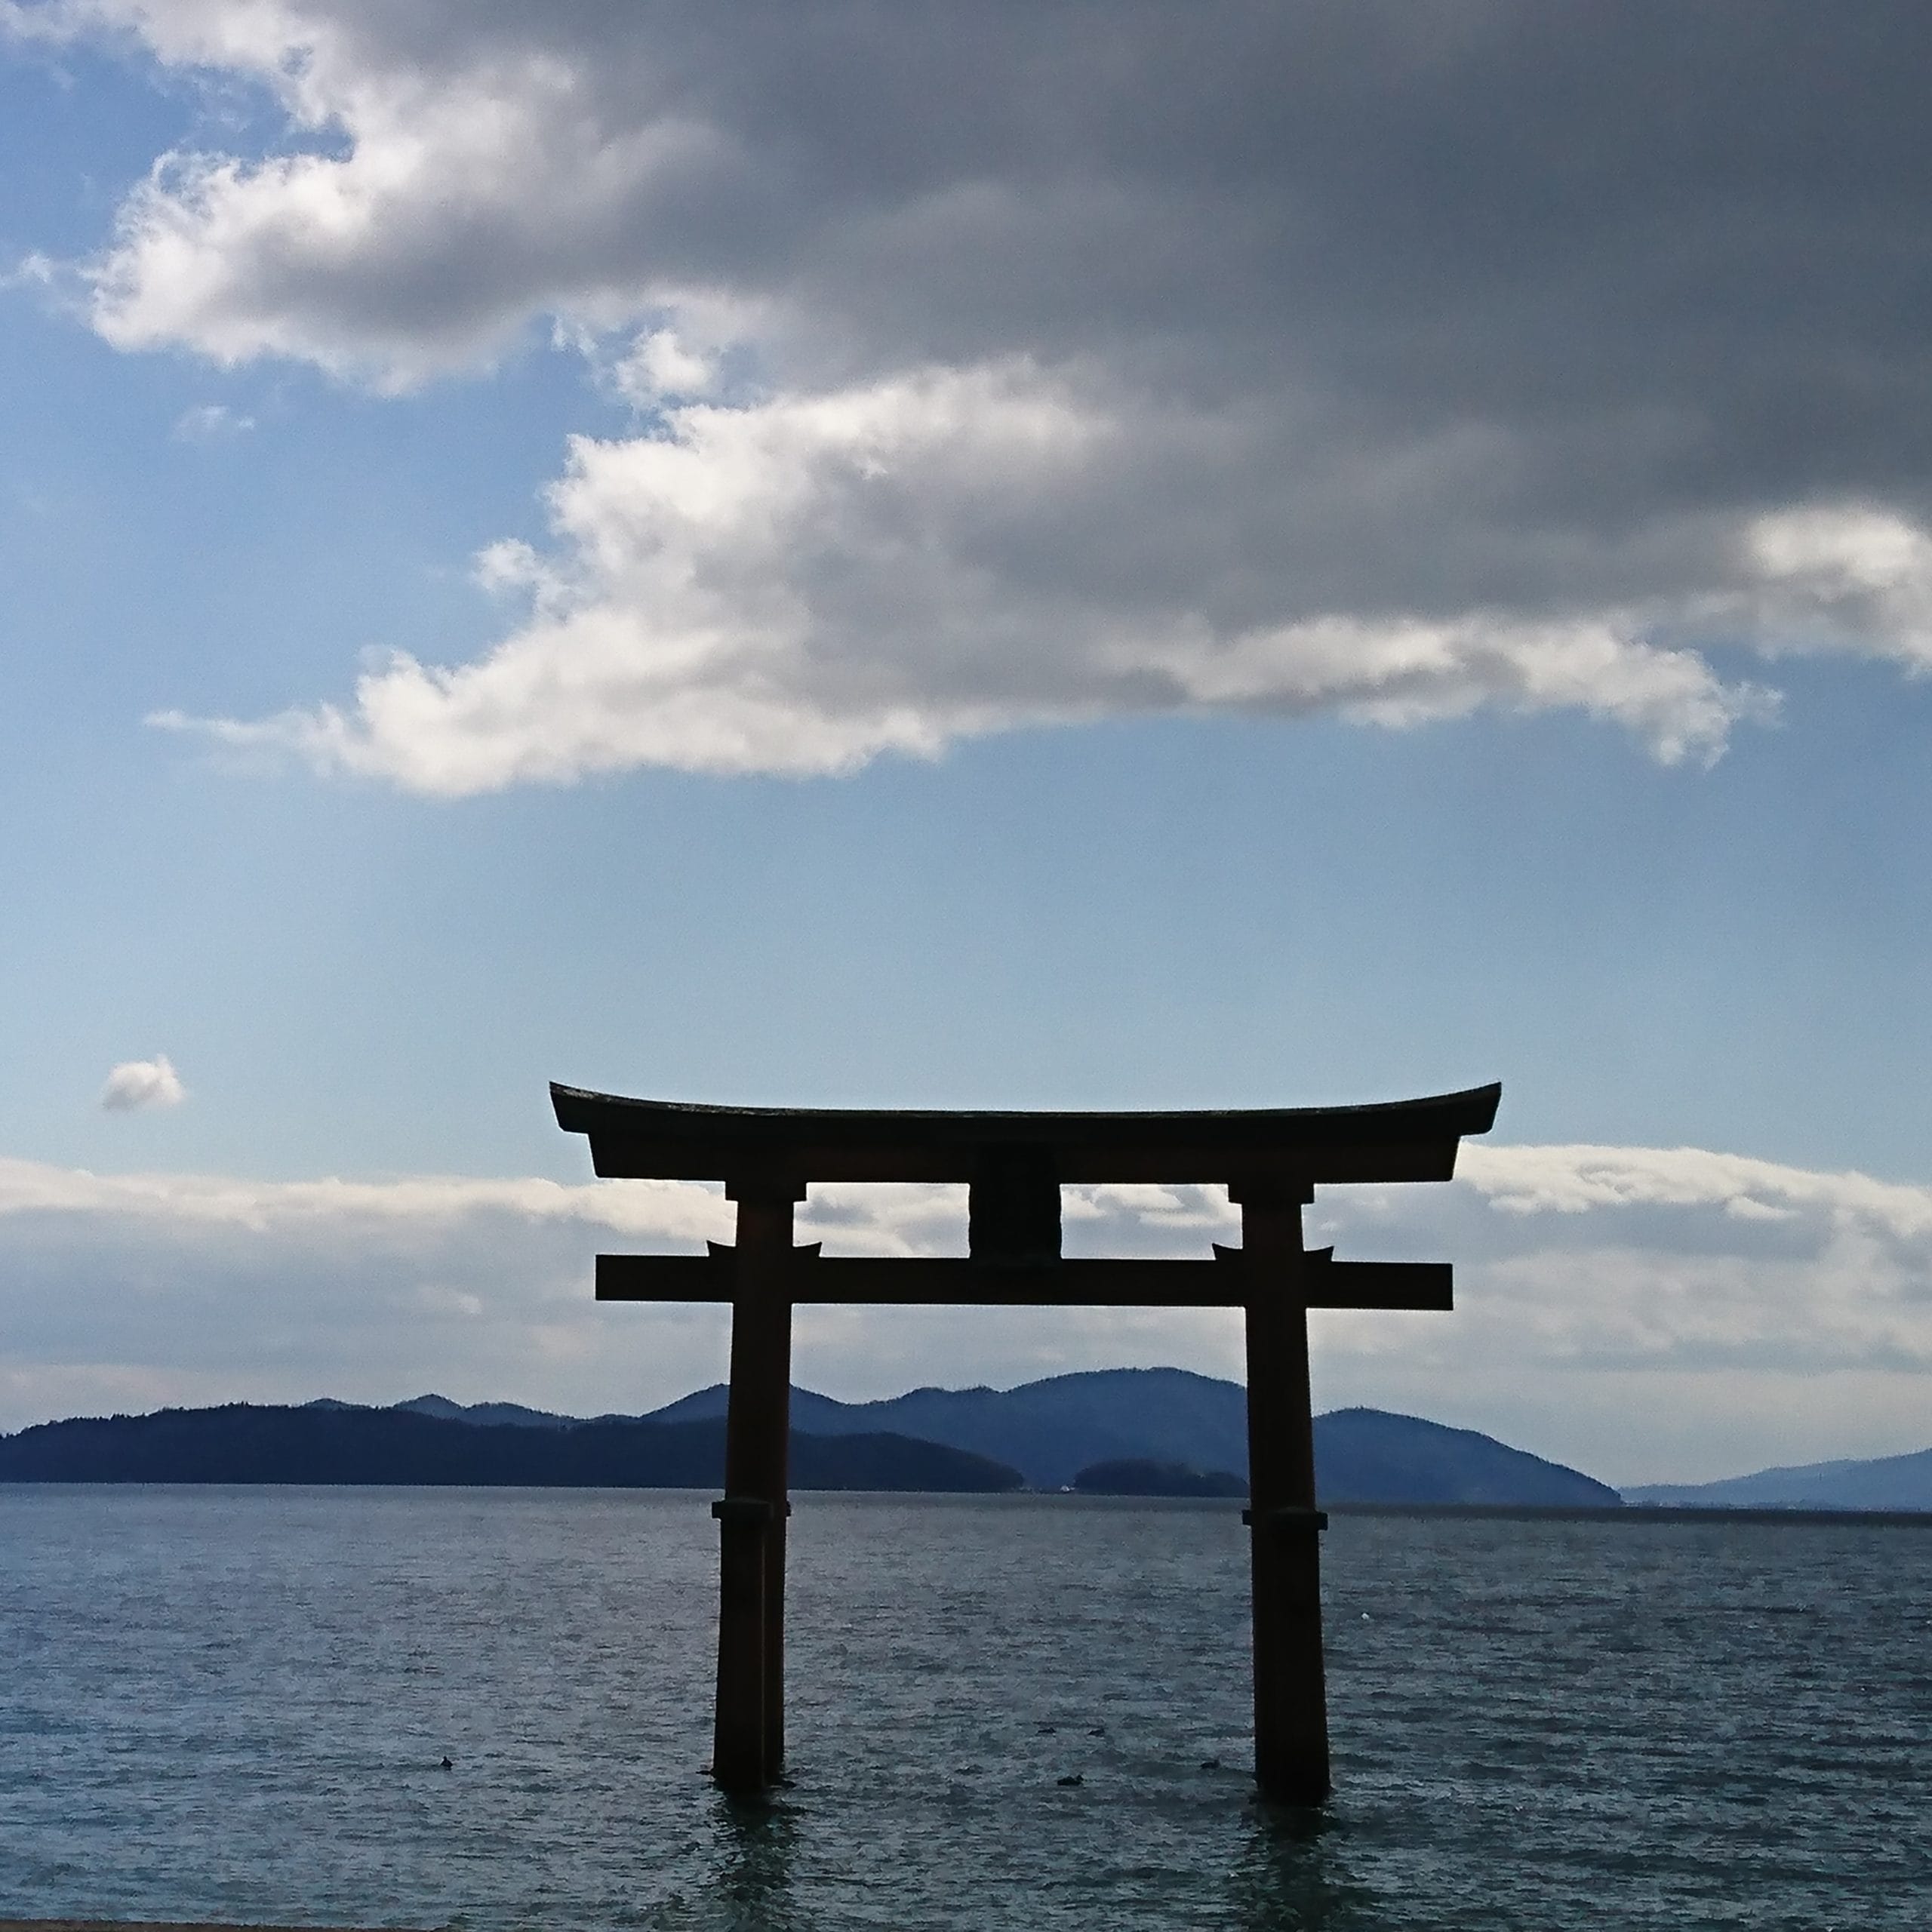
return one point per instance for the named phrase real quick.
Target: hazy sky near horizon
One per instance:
(1066, 556)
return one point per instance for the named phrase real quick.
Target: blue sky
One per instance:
(907, 561)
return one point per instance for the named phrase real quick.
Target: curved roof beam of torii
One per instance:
(1397, 1140)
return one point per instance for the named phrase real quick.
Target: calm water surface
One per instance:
(233, 1704)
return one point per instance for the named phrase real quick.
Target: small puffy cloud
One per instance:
(660, 366)
(136, 1085)
(32, 271)
(210, 422)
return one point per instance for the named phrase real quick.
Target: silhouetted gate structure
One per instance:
(1014, 1165)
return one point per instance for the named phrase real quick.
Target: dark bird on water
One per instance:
(447, 1766)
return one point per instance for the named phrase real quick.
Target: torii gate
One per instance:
(1014, 1165)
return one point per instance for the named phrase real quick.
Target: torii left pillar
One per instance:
(748, 1738)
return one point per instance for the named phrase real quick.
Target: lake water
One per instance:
(233, 1704)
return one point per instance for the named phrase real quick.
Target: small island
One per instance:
(1136, 1475)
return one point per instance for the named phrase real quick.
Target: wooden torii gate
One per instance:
(1014, 1165)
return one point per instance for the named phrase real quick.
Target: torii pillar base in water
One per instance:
(1014, 1165)
(748, 1735)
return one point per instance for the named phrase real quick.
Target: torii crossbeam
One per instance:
(1014, 1164)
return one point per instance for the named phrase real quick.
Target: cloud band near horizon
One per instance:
(1646, 1314)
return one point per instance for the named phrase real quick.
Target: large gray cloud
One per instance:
(1029, 363)
(1648, 1314)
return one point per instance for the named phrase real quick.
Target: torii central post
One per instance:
(1014, 1165)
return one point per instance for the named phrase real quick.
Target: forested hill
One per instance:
(335, 1443)
(1371, 1455)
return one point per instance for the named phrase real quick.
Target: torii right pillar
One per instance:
(1284, 1527)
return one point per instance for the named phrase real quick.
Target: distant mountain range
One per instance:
(1049, 1431)
(1129, 1431)
(1138, 1431)
(1052, 1431)
(334, 1442)
(1884, 1482)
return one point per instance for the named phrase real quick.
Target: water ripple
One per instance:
(235, 1704)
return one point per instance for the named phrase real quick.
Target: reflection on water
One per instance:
(235, 1705)
(757, 1842)
(1290, 1874)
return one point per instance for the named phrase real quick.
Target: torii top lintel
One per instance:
(1398, 1140)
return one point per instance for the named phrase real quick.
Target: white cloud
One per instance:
(1212, 375)
(135, 1085)
(799, 585)
(1861, 573)
(1615, 1308)
(32, 271)
(659, 366)
(1574, 1180)
(210, 422)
